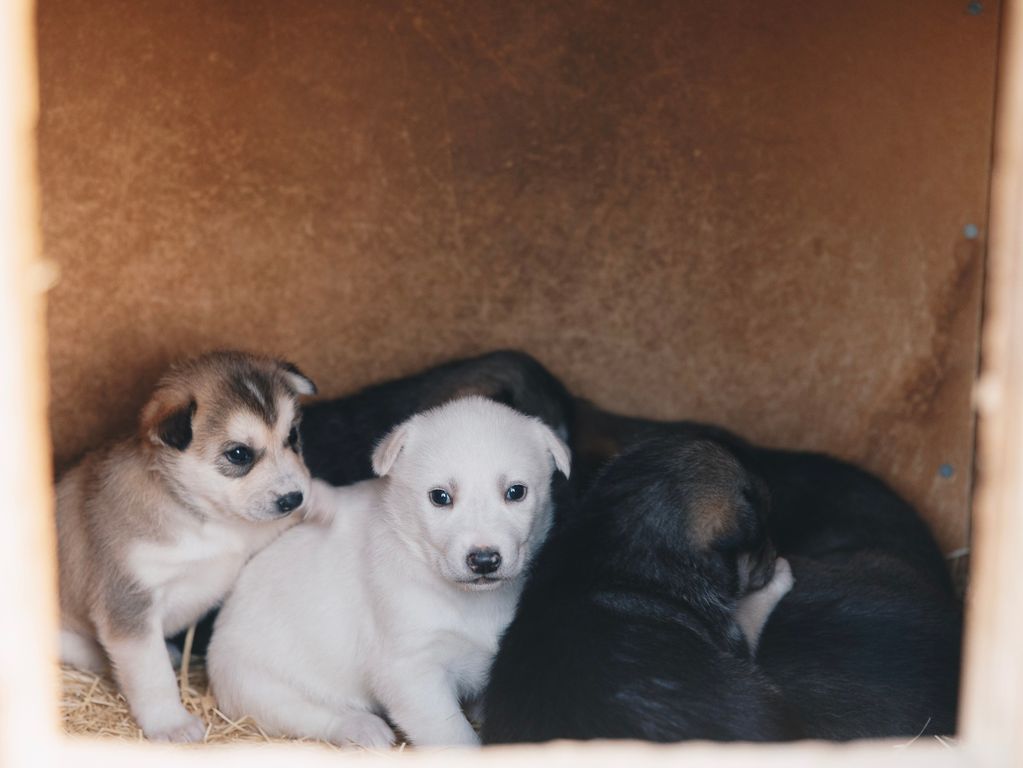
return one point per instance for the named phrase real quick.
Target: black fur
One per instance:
(338, 436)
(865, 647)
(625, 628)
(260, 399)
(867, 644)
(176, 430)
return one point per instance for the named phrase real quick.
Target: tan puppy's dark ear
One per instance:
(167, 418)
(556, 446)
(301, 383)
(388, 449)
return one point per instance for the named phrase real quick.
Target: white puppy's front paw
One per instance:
(363, 729)
(178, 726)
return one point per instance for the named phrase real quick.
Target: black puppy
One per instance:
(867, 643)
(338, 436)
(819, 504)
(626, 627)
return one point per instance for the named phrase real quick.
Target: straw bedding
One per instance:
(91, 706)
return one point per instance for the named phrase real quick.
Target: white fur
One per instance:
(378, 613)
(753, 610)
(185, 577)
(190, 574)
(82, 652)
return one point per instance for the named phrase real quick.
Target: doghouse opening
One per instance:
(771, 217)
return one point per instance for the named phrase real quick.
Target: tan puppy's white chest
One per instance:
(189, 575)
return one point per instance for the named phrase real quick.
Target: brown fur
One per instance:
(152, 530)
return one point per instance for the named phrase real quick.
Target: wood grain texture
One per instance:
(992, 700)
(749, 213)
(28, 573)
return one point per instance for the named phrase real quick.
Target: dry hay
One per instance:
(92, 706)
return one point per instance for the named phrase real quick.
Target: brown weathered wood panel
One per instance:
(751, 213)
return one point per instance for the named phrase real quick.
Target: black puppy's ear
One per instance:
(301, 383)
(756, 567)
(756, 562)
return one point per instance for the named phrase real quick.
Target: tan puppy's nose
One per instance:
(289, 501)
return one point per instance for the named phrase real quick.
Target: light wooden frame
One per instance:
(992, 701)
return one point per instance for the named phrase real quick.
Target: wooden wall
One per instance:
(767, 215)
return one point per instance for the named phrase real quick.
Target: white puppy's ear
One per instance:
(301, 383)
(387, 450)
(562, 455)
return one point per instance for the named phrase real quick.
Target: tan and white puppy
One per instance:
(153, 530)
(397, 606)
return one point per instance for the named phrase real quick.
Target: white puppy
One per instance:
(396, 607)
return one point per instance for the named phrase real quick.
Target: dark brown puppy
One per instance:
(627, 626)
(867, 643)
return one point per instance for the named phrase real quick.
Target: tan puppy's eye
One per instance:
(440, 498)
(515, 492)
(240, 455)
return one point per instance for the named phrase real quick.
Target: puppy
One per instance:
(867, 644)
(396, 608)
(153, 530)
(819, 504)
(339, 435)
(626, 628)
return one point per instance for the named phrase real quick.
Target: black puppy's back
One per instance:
(864, 646)
(578, 670)
(624, 629)
(822, 507)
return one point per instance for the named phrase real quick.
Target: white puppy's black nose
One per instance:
(289, 501)
(483, 561)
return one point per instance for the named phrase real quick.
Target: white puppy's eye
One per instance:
(515, 492)
(440, 498)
